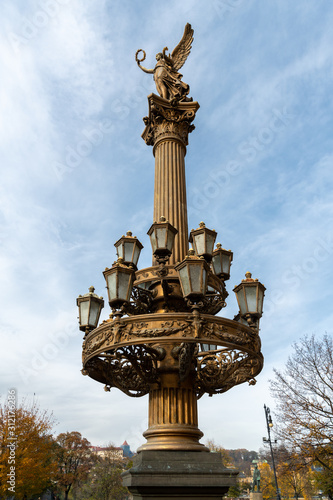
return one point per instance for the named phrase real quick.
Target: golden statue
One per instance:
(167, 79)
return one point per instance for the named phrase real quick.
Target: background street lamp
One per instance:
(269, 440)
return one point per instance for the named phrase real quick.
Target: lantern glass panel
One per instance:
(217, 264)
(93, 315)
(136, 254)
(120, 251)
(84, 311)
(185, 281)
(124, 288)
(241, 301)
(210, 240)
(145, 285)
(153, 240)
(128, 251)
(251, 297)
(171, 239)
(208, 347)
(112, 286)
(161, 236)
(199, 242)
(198, 278)
(260, 300)
(225, 258)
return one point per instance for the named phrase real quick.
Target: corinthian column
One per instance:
(167, 129)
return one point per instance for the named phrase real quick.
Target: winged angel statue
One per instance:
(167, 79)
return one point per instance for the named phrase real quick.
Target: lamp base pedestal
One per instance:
(256, 495)
(178, 475)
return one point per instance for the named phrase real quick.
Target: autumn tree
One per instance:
(323, 480)
(104, 481)
(74, 460)
(293, 472)
(267, 483)
(304, 395)
(26, 449)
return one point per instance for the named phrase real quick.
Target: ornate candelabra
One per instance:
(164, 337)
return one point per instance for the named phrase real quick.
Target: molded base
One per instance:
(178, 475)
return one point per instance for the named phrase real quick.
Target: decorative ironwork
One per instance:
(218, 371)
(213, 303)
(131, 369)
(140, 303)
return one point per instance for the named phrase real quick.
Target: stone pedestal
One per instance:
(256, 495)
(178, 475)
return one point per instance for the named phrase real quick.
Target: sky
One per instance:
(76, 175)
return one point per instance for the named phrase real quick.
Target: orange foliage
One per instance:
(26, 449)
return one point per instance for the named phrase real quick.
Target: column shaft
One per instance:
(170, 192)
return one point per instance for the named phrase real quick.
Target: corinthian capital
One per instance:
(167, 121)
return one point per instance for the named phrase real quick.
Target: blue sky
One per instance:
(76, 175)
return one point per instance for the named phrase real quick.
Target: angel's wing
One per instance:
(181, 52)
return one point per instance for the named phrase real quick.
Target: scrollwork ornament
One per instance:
(218, 372)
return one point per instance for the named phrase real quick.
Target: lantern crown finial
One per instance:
(248, 276)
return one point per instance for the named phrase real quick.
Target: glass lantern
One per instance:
(250, 296)
(203, 240)
(221, 262)
(90, 307)
(193, 274)
(128, 248)
(162, 236)
(119, 283)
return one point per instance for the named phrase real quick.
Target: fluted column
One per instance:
(170, 192)
(173, 409)
(167, 129)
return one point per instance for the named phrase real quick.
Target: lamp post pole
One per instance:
(269, 424)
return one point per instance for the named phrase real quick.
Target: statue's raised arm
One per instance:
(140, 61)
(167, 79)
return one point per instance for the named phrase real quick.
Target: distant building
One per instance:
(108, 452)
(113, 452)
(127, 450)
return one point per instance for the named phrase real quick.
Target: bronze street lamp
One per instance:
(164, 337)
